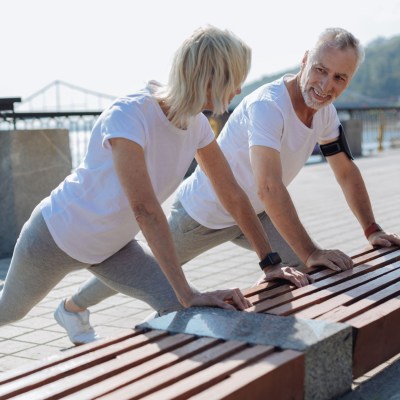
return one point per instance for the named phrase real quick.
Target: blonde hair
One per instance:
(210, 59)
(340, 39)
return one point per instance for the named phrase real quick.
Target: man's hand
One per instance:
(333, 259)
(229, 299)
(384, 239)
(282, 271)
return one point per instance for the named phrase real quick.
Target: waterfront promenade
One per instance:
(322, 209)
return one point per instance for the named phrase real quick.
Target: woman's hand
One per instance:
(229, 299)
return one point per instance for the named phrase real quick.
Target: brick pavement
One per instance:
(321, 207)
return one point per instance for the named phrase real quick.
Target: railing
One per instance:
(381, 126)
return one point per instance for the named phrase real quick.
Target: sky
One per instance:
(115, 46)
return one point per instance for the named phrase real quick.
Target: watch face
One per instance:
(270, 259)
(275, 258)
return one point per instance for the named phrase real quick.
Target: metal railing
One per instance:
(381, 126)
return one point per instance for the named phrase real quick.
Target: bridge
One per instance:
(60, 96)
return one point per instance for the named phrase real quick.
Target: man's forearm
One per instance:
(281, 210)
(357, 197)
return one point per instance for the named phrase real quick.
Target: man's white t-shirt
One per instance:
(266, 117)
(88, 214)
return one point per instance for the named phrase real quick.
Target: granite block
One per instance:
(327, 346)
(32, 163)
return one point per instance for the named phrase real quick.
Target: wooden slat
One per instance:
(47, 380)
(278, 377)
(208, 377)
(316, 293)
(343, 313)
(176, 372)
(360, 289)
(376, 336)
(145, 369)
(272, 289)
(55, 359)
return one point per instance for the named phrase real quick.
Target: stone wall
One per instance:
(33, 162)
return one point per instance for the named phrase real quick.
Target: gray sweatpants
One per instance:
(38, 265)
(191, 239)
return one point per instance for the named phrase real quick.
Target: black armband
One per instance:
(337, 146)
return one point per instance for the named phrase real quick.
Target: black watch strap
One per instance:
(270, 259)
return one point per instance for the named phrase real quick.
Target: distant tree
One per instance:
(376, 83)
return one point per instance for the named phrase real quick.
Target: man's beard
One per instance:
(310, 102)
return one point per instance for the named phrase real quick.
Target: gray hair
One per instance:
(212, 59)
(341, 39)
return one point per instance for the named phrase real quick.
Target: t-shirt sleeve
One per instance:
(331, 123)
(122, 121)
(265, 127)
(206, 133)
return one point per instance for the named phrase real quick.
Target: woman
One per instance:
(138, 153)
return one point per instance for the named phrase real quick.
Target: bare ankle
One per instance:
(70, 306)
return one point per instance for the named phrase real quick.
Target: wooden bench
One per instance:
(159, 365)
(366, 297)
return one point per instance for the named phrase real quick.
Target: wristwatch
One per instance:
(374, 227)
(270, 259)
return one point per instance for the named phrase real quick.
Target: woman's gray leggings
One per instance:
(191, 239)
(38, 265)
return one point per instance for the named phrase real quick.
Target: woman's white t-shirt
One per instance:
(88, 214)
(266, 117)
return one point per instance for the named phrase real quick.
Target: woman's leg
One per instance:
(36, 267)
(92, 292)
(134, 271)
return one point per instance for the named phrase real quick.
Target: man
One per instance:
(267, 140)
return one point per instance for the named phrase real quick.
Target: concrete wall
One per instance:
(33, 162)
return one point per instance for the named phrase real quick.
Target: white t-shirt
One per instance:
(88, 214)
(265, 118)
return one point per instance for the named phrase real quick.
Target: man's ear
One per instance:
(304, 60)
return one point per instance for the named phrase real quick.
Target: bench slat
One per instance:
(17, 373)
(176, 372)
(278, 377)
(363, 288)
(49, 379)
(208, 377)
(299, 298)
(145, 369)
(343, 313)
(377, 338)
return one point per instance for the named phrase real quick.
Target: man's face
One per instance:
(326, 74)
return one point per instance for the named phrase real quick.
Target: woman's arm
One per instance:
(131, 168)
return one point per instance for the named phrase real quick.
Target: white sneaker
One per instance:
(77, 325)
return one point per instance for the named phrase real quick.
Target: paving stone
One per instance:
(40, 336)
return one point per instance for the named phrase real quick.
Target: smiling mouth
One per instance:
(320, 95)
